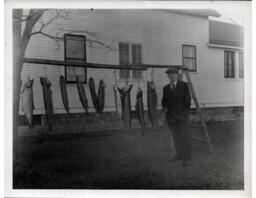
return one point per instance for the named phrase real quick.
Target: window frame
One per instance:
(130, 44)
(233, 65)
(75, 59)
(193, 58)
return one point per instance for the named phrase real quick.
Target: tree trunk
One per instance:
(20, 43)
(17, 67)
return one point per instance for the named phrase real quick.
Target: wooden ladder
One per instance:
(198, 109)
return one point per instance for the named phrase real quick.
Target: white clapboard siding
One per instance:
(161, 34)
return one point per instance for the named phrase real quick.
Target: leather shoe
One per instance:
(186, 163)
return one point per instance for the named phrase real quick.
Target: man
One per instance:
(176, 102)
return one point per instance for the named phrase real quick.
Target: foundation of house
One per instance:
(80, 122)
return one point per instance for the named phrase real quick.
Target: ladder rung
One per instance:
(200, 139)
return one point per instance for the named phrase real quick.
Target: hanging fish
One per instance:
(152, 103)
(64, 94)
(27, 101)
(126, 105)
(118, 104)
(140, 109)
(93, 94)
(47, 92)
(82, 94)
(101, 96)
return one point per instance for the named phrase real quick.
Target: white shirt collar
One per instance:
(175, 83)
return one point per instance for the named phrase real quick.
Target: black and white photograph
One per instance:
(129, 98)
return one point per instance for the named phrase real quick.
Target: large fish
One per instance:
(82, 94)
(126, 105)
(117, 98)
(118, 104)
(64, 94)
(47, 92)
(152, 103)
(101, 96)
(140, 109)
(27, 101)
(93, 94)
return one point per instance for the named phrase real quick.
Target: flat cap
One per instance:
(172, 70)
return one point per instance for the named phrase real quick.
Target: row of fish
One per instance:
(28, 103)
(122, 100)
(139, 106)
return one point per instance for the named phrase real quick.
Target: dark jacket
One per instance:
(177, 101)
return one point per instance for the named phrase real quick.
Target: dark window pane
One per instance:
(124, 53)
(124, 59)
(75, 50)
(136, 54)
(136, 59)
(75, 47)
(229, 66)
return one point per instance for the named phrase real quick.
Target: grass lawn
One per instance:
(116, 162)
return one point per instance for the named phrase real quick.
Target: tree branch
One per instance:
(56, 39)
(32, 12)
(35, 16)
(92, 41)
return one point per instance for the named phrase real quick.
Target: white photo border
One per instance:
(9, 192)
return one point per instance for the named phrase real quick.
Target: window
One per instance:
(136, 60)
(130, 54)
(229, 66)
(75, 50)
(241, 64)
(189, 57)
(124, 59)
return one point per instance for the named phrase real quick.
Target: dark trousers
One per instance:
(181, 135)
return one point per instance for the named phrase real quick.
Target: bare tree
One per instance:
(27, 23)
(20, 43)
